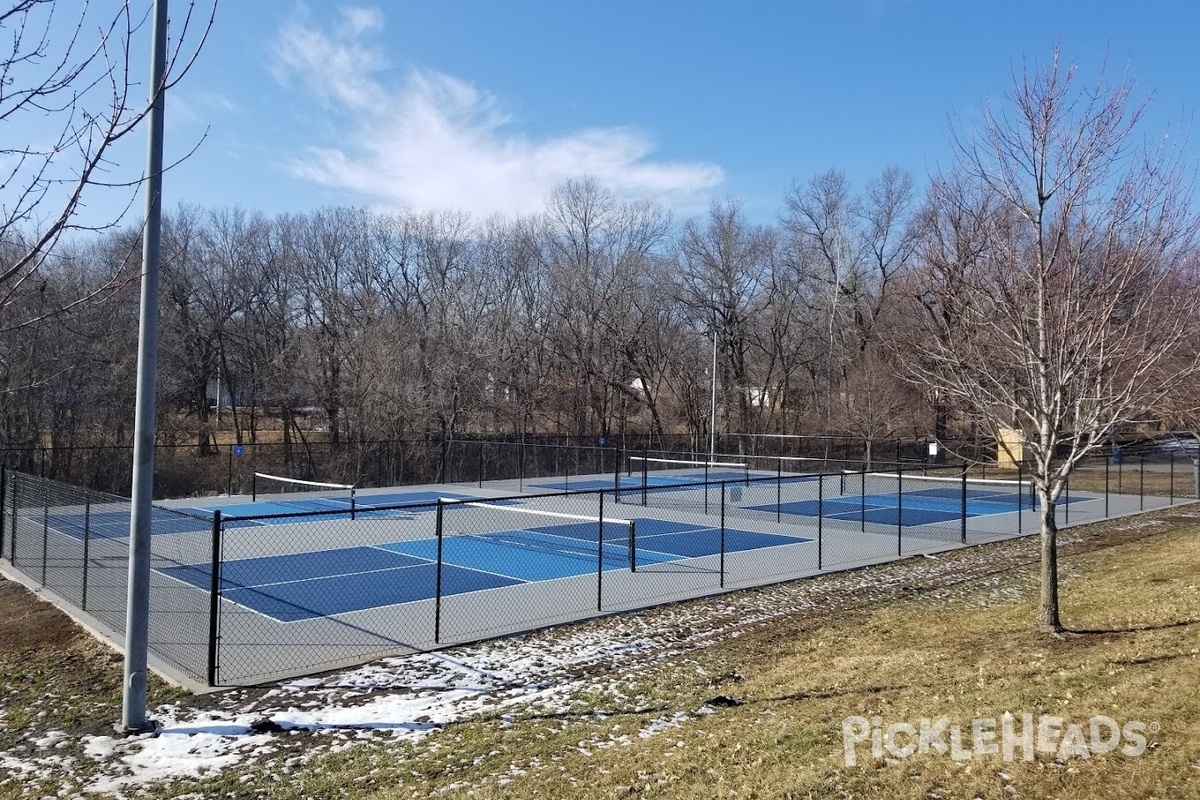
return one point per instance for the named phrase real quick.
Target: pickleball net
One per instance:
(1014, 493)
(608, 540)
(263, 483)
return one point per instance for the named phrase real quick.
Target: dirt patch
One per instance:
(53, 674)
(28, 622)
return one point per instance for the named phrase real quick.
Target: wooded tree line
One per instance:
(598, 316)
(1047, 281)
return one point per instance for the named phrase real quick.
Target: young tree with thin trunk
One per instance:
(67, 86)
(1075, 306)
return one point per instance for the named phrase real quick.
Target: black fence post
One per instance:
(617, 483)
(214, 598)
(600, 559)
(778, 489)
(646, 478)
(633, 545)
(479, 464)
(1171, 480)
(12, 540)
(963, 532)
(899, 510)
(1141, 483)
(1067, 504)
(862, 492)
(437, 581)
(1020, 498)
(45, 533)
(820, 521)
(3, 498)
(521, 465)
(1107, 461)
(229, 473)
(723, 488)
(87, 539)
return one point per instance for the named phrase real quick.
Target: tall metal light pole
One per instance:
(137, 610)
(712, 424)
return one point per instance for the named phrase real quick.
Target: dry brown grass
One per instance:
(964, 658)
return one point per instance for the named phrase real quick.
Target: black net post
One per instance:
(254, 486)
(87, 539)
(437, 580)
(963, 518)
(214, 599)
(600, 558)
(479, 464)
(723, 487)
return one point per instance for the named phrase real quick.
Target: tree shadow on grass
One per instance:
(1130, 628)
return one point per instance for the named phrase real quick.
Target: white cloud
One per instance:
(431, 140)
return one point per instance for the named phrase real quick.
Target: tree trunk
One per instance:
(1048, 619)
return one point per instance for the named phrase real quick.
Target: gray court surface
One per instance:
(303, 594)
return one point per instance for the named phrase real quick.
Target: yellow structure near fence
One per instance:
(1009, 448)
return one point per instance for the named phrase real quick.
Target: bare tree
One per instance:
(66, 88)
(725, 265)
(1076, 307)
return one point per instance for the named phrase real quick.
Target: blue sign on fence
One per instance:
(239, 450)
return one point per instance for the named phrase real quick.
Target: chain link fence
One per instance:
(242, 596)
(73, 542)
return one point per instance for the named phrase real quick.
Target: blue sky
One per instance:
(485, 106)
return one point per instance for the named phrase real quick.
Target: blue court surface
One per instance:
(303, 586)
(921, 507)
(100, 524)
(669, 483)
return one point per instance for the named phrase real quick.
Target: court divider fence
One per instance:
(238, 599)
